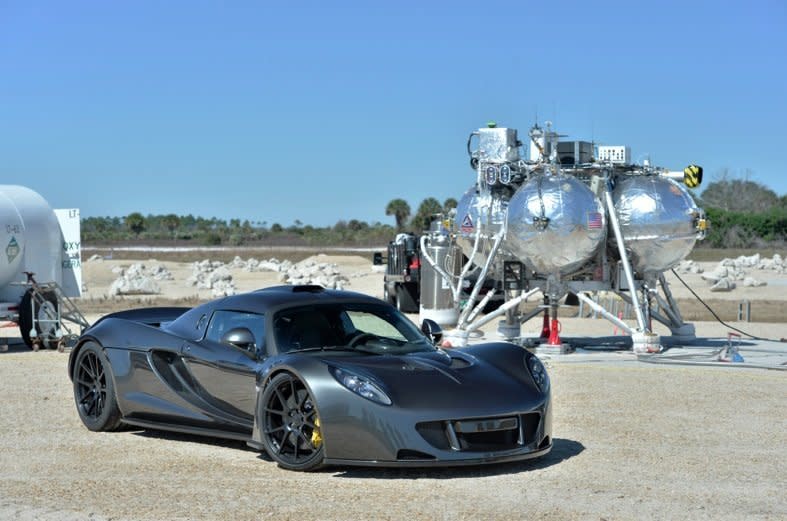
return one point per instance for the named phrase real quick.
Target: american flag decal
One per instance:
(595, 221)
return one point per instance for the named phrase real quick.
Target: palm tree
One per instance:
(171, 222)
(427, 210)
(400, 210)
(449, 204)
(135, 222)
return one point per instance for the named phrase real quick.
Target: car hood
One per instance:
(440, 379)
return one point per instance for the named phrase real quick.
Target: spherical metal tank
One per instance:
(30, 240)
(658, 221)
(479, 212)
(555, 224)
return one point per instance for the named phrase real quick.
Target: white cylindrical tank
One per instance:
(30, 240)
(658, 220)
(437, 298)
(555, 224)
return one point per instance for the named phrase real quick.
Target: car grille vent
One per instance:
(482, 434)
(308, 288)
(413, 455)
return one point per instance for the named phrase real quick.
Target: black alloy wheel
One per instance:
(94, 390)
(290, 424)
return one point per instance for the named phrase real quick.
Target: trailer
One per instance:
(40, 268)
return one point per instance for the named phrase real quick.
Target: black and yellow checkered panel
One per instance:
(692, 176)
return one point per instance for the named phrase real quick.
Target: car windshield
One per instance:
(367, 328)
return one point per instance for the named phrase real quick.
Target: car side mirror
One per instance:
(431, 329)
(377, 258)
(241, 338)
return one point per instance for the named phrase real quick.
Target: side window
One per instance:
(223, 321)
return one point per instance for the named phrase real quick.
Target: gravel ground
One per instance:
(632, 441)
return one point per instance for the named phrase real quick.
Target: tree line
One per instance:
(236, 232)
(743, 214)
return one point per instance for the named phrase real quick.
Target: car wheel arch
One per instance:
(83, 341)
(281, 369)
(262, 390)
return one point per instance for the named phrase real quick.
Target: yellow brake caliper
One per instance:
(316, 436)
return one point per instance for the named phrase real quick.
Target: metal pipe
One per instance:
(604, 313)
(481, 279)
(530, 315)
(481, 305)
(624, 258)
(661, 318)
(466, 268)
(674, 320)
(672, 304)
(501, 310)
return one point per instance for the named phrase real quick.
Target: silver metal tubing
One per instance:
(672, 304)
(481, 305)
(501, 310)
(530, 315)
(624, 259)
(604, 313)
(669, 310)
(661, 318)
(481, 278)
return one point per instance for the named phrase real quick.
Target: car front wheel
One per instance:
(94, 389)
(290, 424)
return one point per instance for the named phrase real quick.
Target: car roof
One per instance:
(264, 301)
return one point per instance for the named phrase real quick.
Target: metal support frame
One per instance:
(66, 312)
(624, 259)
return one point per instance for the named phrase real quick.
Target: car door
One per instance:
(223, 374)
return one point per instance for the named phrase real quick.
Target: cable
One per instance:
(717, 316)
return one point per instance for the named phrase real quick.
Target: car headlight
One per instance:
(539, 373)
(361, 386)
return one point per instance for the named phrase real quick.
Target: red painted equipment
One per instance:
(554, 338)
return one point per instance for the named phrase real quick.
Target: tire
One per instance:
(387, 297)
(290, 424)
(405, 298)
(94, 389)
(28, 310)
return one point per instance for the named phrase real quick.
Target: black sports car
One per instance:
(313, 377)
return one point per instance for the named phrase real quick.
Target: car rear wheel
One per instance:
(290, 424)
(94, 389)
(405, 298)
(387, 297)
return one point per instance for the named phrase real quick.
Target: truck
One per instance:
(408, 276)
(401, 283)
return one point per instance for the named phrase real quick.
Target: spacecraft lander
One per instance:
(574, 218)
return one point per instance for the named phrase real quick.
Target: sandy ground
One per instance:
(631, 441)
(98, 277)
(768, 303)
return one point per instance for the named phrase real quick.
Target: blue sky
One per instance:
(320, 111)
